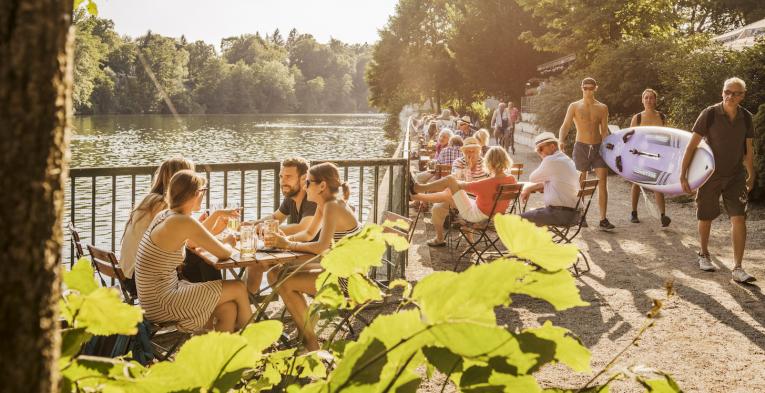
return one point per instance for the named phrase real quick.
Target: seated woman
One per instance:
(497, 163)
(144, 214)
(483, 139)
(165, 298)
(337, 221)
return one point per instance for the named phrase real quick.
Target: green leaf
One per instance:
(361, 290)
(72, 340)
(663, 384)
(513, 383)
(398, 224)
(212, 361)
(91, 373)
(396, 240)
(527, 241)
(102, 312)
(329, 293)
(262, 335)
(472, 294)
(77, 4)
(92, 8)
(568, 349)
(356, 254)
(558, 288)
(81, 278)
(400, 283)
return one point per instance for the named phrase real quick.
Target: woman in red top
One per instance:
(496, 162)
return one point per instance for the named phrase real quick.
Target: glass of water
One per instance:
(270, 229)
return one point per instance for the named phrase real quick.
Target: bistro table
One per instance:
(268, 258)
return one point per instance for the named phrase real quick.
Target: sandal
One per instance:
(436, 243)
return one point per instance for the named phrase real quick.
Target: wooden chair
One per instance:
(479, 232)
(407, 233)
(567, 233)
(165, 337)
(74, 240)
(517, 170)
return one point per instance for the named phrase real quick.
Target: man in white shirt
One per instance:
(558, 177)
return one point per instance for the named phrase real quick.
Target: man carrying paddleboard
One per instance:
(648, 117)
(591, 120)
(728, 129)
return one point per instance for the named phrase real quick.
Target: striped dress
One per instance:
(165, 298)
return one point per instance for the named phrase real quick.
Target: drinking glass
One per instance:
(270, 229)
(233, 222)
(248, 238)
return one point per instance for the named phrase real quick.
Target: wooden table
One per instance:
(270, 258)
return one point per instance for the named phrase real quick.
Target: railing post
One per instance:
(277, 170)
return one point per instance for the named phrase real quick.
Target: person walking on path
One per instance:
(728, 129)
(500, 122)
(591, 120)
(514, 116)
(649, 117)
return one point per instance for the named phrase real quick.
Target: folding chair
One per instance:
(407, 233)
(567, 233)
(480, 231)
(442, 170)
(74, 240)
(107, 264)
(517, 170)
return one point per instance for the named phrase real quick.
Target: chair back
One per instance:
(585, 194)
(107, 264)
(443, 170)
(517, 170)
(407, 233)
(74, 240)
(507, 192)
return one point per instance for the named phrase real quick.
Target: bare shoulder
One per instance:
(601, 106)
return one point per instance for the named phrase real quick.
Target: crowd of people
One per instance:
(175, 285)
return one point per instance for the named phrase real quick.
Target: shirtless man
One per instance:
(591, 120)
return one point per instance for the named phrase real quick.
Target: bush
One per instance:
(758, 193)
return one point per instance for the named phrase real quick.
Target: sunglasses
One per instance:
(588, 87)
(733, 93)
(202, 190)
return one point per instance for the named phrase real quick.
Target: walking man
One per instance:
(728, 129)
(514, 117)
(591, 120)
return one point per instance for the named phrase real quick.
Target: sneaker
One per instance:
(436, 243)
(705, 263)
(605, 225)
(739, 275)
(634, 218)
(665, 220)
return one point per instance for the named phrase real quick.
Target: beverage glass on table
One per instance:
(234, 222)
(247, 238)
(270, 229)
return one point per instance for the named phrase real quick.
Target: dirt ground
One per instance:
(710, 336)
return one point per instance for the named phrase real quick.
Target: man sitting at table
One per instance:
(558, 178)
(463, 127)
(446, 156)
(296, 209)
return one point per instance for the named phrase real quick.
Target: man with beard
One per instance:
(295, 209)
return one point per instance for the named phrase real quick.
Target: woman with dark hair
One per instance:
(165, 298)
(337, 220)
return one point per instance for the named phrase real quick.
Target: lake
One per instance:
(126, 140)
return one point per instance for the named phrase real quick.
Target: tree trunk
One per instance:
(35, 106)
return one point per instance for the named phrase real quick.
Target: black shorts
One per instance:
(587, 157)
(733, 192)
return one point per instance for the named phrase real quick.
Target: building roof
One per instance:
(742, 37)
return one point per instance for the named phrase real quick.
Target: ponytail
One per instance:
(346, 191)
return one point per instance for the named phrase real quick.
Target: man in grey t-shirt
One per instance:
(727, 128)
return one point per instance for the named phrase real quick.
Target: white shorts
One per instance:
(467, 207)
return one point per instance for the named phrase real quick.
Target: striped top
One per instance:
(165, 298)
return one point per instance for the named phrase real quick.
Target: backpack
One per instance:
(662, 115)
(747, 117)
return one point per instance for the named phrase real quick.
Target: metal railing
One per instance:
(99, 200)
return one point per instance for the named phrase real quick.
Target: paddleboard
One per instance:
(652, 156)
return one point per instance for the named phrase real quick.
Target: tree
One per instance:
(35, 107)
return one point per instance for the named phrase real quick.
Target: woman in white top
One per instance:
(164, 297)
(337, 220)
(144, 214)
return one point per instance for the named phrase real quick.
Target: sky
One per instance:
(351, 21)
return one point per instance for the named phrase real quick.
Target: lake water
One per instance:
(114, 141)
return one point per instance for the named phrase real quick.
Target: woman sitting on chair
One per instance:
(337, 221)
(497, 163)
(165, 298)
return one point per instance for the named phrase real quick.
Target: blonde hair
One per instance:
(183, 186)
(327, 172)
(496, 160)
(455, 141)
(652, 91)
(155, 201)
(483, 136)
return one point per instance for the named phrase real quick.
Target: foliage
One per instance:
(456, 335)
(253, 74)
(759, 154)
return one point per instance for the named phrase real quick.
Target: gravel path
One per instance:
(710, 336)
